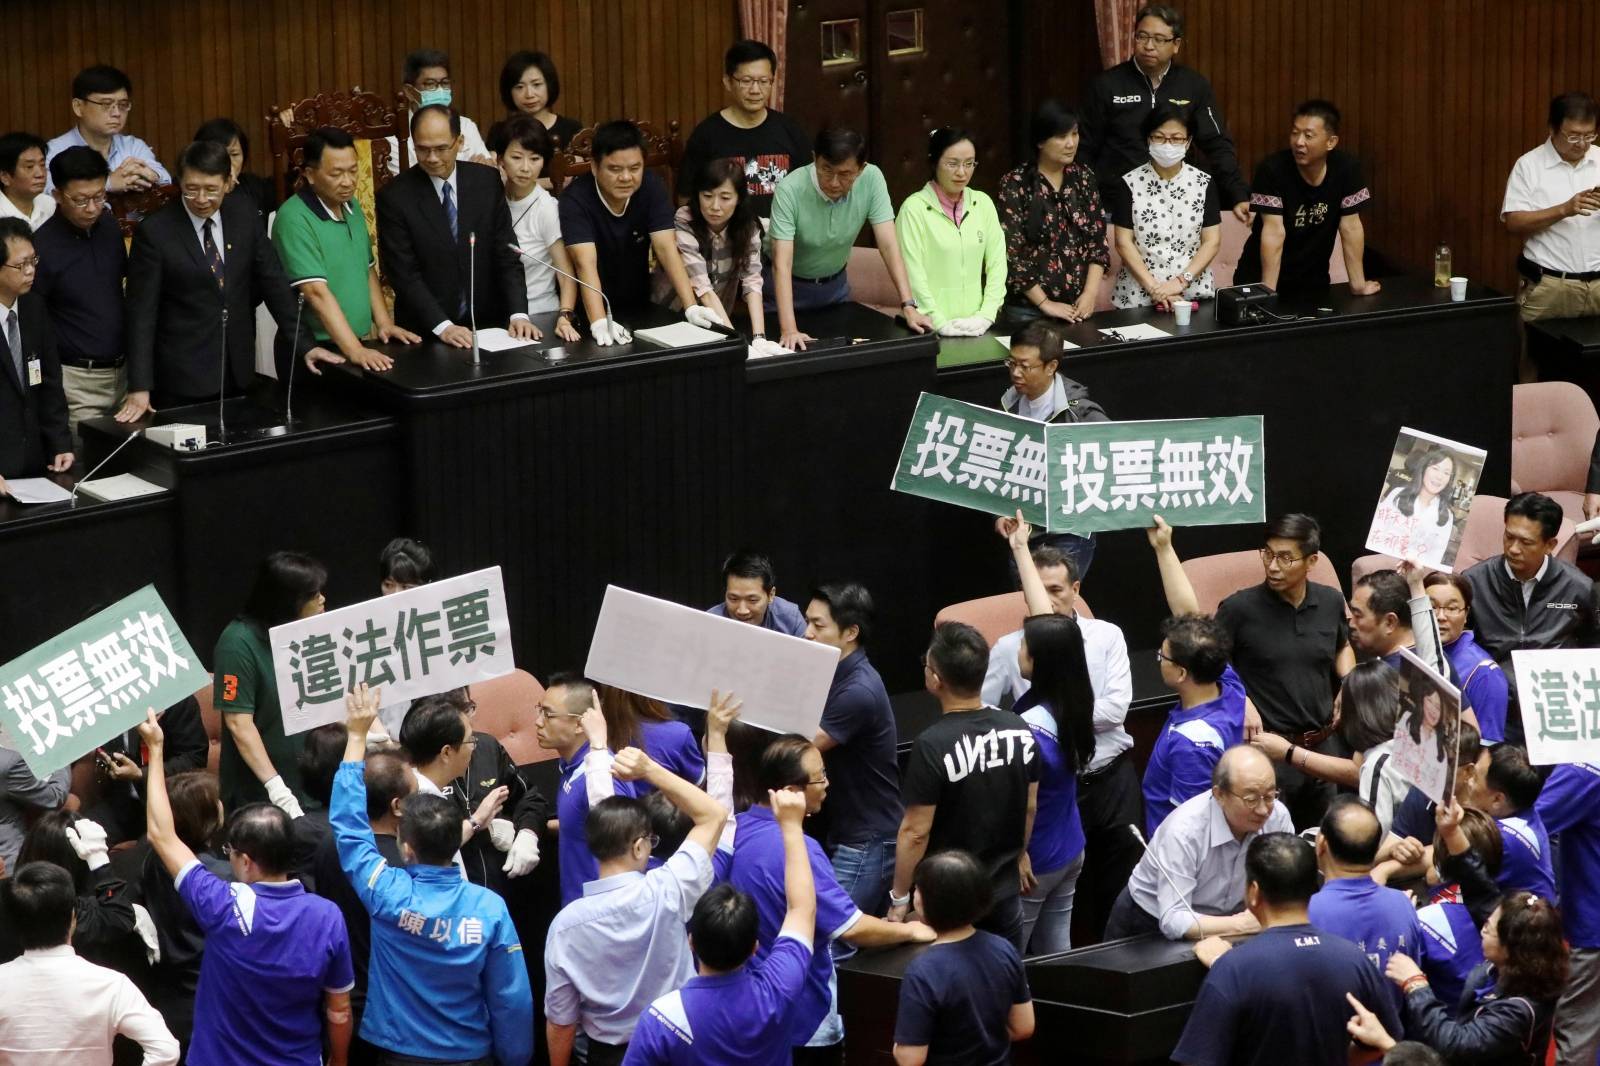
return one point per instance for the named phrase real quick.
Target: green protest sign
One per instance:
(974, 457)
(1190, 471)
(68, 696)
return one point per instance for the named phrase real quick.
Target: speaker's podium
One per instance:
(1123, 1002)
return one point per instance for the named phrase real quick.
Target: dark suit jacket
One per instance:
(415, 248)
(33, 420)
(174, 306)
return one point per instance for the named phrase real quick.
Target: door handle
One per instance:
(861, 76)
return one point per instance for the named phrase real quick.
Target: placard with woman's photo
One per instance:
(1422, 510)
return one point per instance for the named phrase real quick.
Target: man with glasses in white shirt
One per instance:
(1551, 202)
(102, 99)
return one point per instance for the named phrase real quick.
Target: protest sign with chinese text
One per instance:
(974, 457)
(69, 695)
(424, 640)
(1190, 471)
(1559, 692)
(678, 654)
(1422, 509)
(1426, 734)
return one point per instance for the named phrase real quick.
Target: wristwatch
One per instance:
(899, 901)
(908, 303)
(1187, 277)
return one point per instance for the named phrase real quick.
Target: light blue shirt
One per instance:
(621, 946)
(124, 146)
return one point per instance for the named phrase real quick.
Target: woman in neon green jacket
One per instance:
(950, 237)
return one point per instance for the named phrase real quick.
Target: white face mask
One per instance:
(1168, 155)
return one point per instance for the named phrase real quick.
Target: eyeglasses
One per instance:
(820, 780)
(753, 83)
(86, 202)
(1254, 800)
(1152, 38)
(1018, 364)
(1163, 657)
(547, 713)
(1285, 559)
(959, 165)
(1454, 608)
(433, 83)
(1162, 138)
(1580, 138)
(24, 266)
(213, 192)
(654, 839)
(113, 107)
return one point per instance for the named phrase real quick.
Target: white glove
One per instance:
(88, 839)
(760, 348)
(972, 326)
(524, 854)
(145, 926)
(704, 317)
(281, 796)
(979, 324)
(1591, 526)
(500, 833)
(608, 331)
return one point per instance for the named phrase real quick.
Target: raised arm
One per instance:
(173, 853)
(708, 816)
(800, 893)
(1017, 531)
(1175, 583)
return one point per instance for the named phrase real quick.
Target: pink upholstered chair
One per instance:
(995, 616)
(1480, 540)
(870, 283)
(1216, 577)
(507, 710)
(1553, 426)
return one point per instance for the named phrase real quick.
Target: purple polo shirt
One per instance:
(578, 864)
(1189, 748)
(272, 950)
(1526, 865)
(1569, 804)
(1379, 920)
(1451, 948)
(1483, 684)
(672, 744)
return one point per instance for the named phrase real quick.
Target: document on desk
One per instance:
(680, 335)
(498, 340)
(36, 490)
(678, 654)
(117, 487)
(1139, 331)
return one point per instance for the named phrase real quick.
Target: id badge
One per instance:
(35, 372)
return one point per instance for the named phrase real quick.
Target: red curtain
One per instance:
(768, 21)
(1113, 20)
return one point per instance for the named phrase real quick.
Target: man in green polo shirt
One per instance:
(816, 214)
(321, 236)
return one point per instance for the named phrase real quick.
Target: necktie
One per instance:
(450, 208)
(213, 256)
(14, 342)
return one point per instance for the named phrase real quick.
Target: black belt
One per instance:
(93, 364)
(1533, 272)
(823, 281)
(1095, 775)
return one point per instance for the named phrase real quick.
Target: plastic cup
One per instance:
(1458, 290)
(1180, 312)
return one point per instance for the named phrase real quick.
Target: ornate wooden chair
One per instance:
(128, 208)
(663, 152)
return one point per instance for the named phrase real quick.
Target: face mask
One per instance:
(430, 97)
(1168, 155)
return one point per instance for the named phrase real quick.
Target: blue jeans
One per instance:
(808, 295)
(866, 872)
(1079, 549)
(1047, 910)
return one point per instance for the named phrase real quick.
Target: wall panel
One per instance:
(660, 59)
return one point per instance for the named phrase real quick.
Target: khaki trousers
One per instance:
(92, 393)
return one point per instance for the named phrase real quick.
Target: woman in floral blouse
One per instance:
(1168, 223)
(1055, 229)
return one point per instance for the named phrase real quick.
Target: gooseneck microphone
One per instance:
(101, 463)
(222, 383)
(472, 294)
(571, 277)
(1170, 882)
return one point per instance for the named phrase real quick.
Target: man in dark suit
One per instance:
(33, 409)
(426, 219)
(194, 265)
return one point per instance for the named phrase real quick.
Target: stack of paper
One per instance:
(498, 340)
(36, 490)
(679, 335)
(1139, 331)
(119, 487)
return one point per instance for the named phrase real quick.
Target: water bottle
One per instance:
(1441, 266)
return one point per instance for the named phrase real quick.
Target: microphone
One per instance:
(1163, 871)
(222, 383)
(101, 463)
(472, 293)
(570, 277)
(288, 400)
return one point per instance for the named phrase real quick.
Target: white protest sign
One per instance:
(1426, 736)
(678, 655)
(1559, 693)
(415, 643)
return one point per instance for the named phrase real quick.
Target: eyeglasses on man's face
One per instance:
(1255, 800)
(25, 266)
(120, 106)
(1283, 559)
(1153, 38)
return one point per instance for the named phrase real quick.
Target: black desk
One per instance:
(328, 485)
(1567, 349)
(824, 431)
(1334, 393)
(63, 562)
(570, 469)
(1121, 1002)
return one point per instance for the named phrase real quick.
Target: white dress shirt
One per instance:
(472, 146)
(1542, 179)
(44, 205)
(64, 1011)
(1202, 863)
(1527, 586)
(1107, 652)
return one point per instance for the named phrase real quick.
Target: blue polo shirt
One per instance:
(782, 616)
(956, 999)
(578, 864)
(1527, 862)
(1414, 816)
(1189, 748)
(1483, 684)
(731, 1019)
(863, 771)
(1057, 830)
(756, 868)
(1570, 805)
(672, 744)
(1279, 998)
(1379, 920)
(272, 951)
(1451, 948)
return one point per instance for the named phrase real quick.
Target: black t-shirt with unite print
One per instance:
(1311, 215)
(975, 767)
